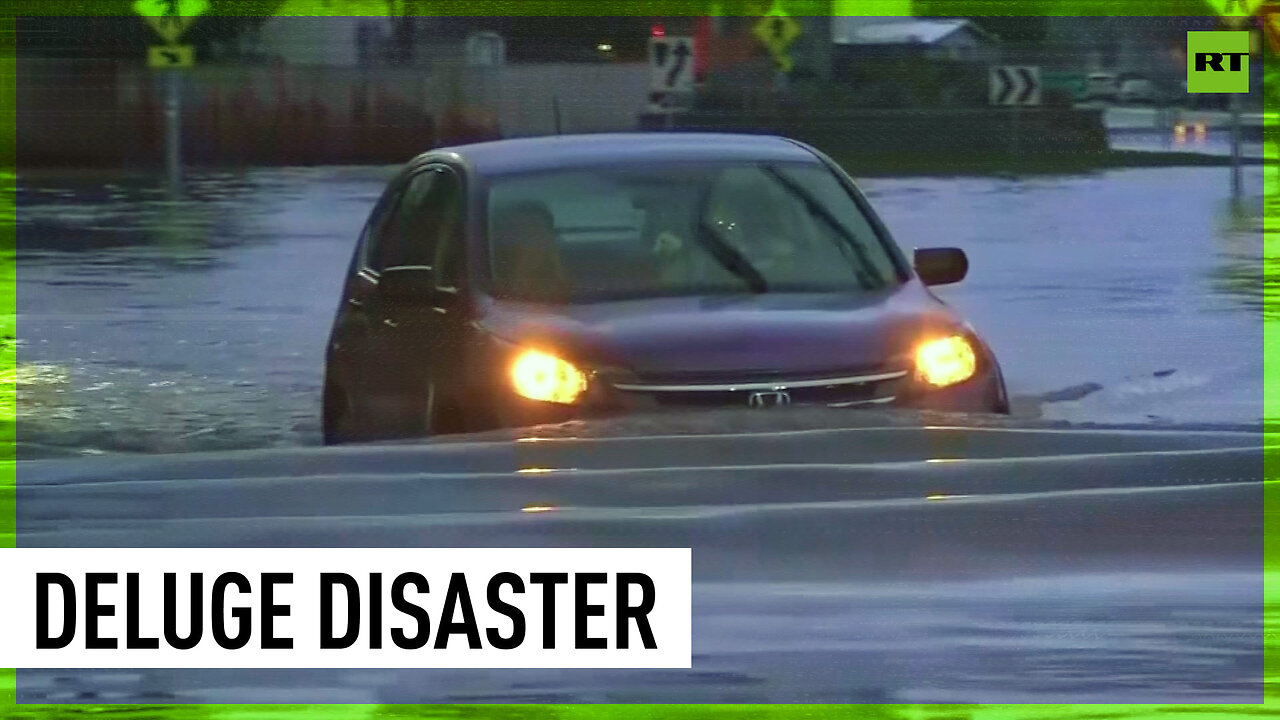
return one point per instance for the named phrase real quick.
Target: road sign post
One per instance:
(1270, 14)
(1015, 85)
(777, 31)
(1237, 14)
(173, 130)
(671, 63)
(166, 57)
(170, 19)
(1236, 180)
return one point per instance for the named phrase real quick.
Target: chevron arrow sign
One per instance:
(1015, 85)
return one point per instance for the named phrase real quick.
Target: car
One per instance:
(1101, 86)
(539, 280)
(1138, 90)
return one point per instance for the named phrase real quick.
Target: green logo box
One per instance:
(1218, 61)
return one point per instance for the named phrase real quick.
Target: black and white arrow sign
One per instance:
(1015, 85)
(671, 64)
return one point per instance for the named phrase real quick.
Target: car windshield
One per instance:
(596, 234)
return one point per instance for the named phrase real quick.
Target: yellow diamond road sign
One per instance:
(170, 56)
(1235, 8)
(1271, 28)
(1235, 13)
(777, 30)
(170, 18)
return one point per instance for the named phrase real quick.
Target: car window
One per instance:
(449, 257)
(428, 211)
(698, 228)
(844, 211)
(584, 206)
(380, 221)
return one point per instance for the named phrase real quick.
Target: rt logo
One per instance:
(1218, 61)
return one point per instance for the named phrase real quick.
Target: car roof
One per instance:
(565, 151)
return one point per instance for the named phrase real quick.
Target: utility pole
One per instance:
(1236, 180)
(1236, 22)
(170, 19)
(173, 130)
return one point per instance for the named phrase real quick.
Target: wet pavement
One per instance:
(885, 564)
(1125, 296)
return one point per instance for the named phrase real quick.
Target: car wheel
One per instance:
(336, 424)
(443, 415)
(429, 418)
(423, 420)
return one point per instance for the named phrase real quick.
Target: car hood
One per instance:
(766, 333)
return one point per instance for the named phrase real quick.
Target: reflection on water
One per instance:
(1194, 138)
(673, 712)
(200, 323)
(1241, 272)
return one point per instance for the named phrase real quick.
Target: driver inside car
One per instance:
(527, 262)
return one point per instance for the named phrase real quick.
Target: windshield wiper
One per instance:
(730, 257)
(867, 276)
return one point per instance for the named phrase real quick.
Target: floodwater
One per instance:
(884, 565)
(1127, 296)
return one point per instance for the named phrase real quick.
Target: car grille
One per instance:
(847, 389)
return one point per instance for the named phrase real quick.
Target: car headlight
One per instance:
(946, 361)
(541, 376)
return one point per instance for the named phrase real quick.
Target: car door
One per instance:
(352, 352)
(416, 340)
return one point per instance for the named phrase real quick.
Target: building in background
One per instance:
(907, 62)
(939, 40)
(853, 61)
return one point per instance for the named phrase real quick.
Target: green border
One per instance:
(640, 8)
(1142, 8)
(8, 309)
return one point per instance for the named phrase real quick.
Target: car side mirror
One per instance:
(408, 283)
(941, 266)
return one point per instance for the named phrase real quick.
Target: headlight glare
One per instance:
(540, 376)
(946, 361)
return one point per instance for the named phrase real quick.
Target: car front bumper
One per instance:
(984, 393)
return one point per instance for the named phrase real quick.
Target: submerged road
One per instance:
(149, 325)
(863, 564)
